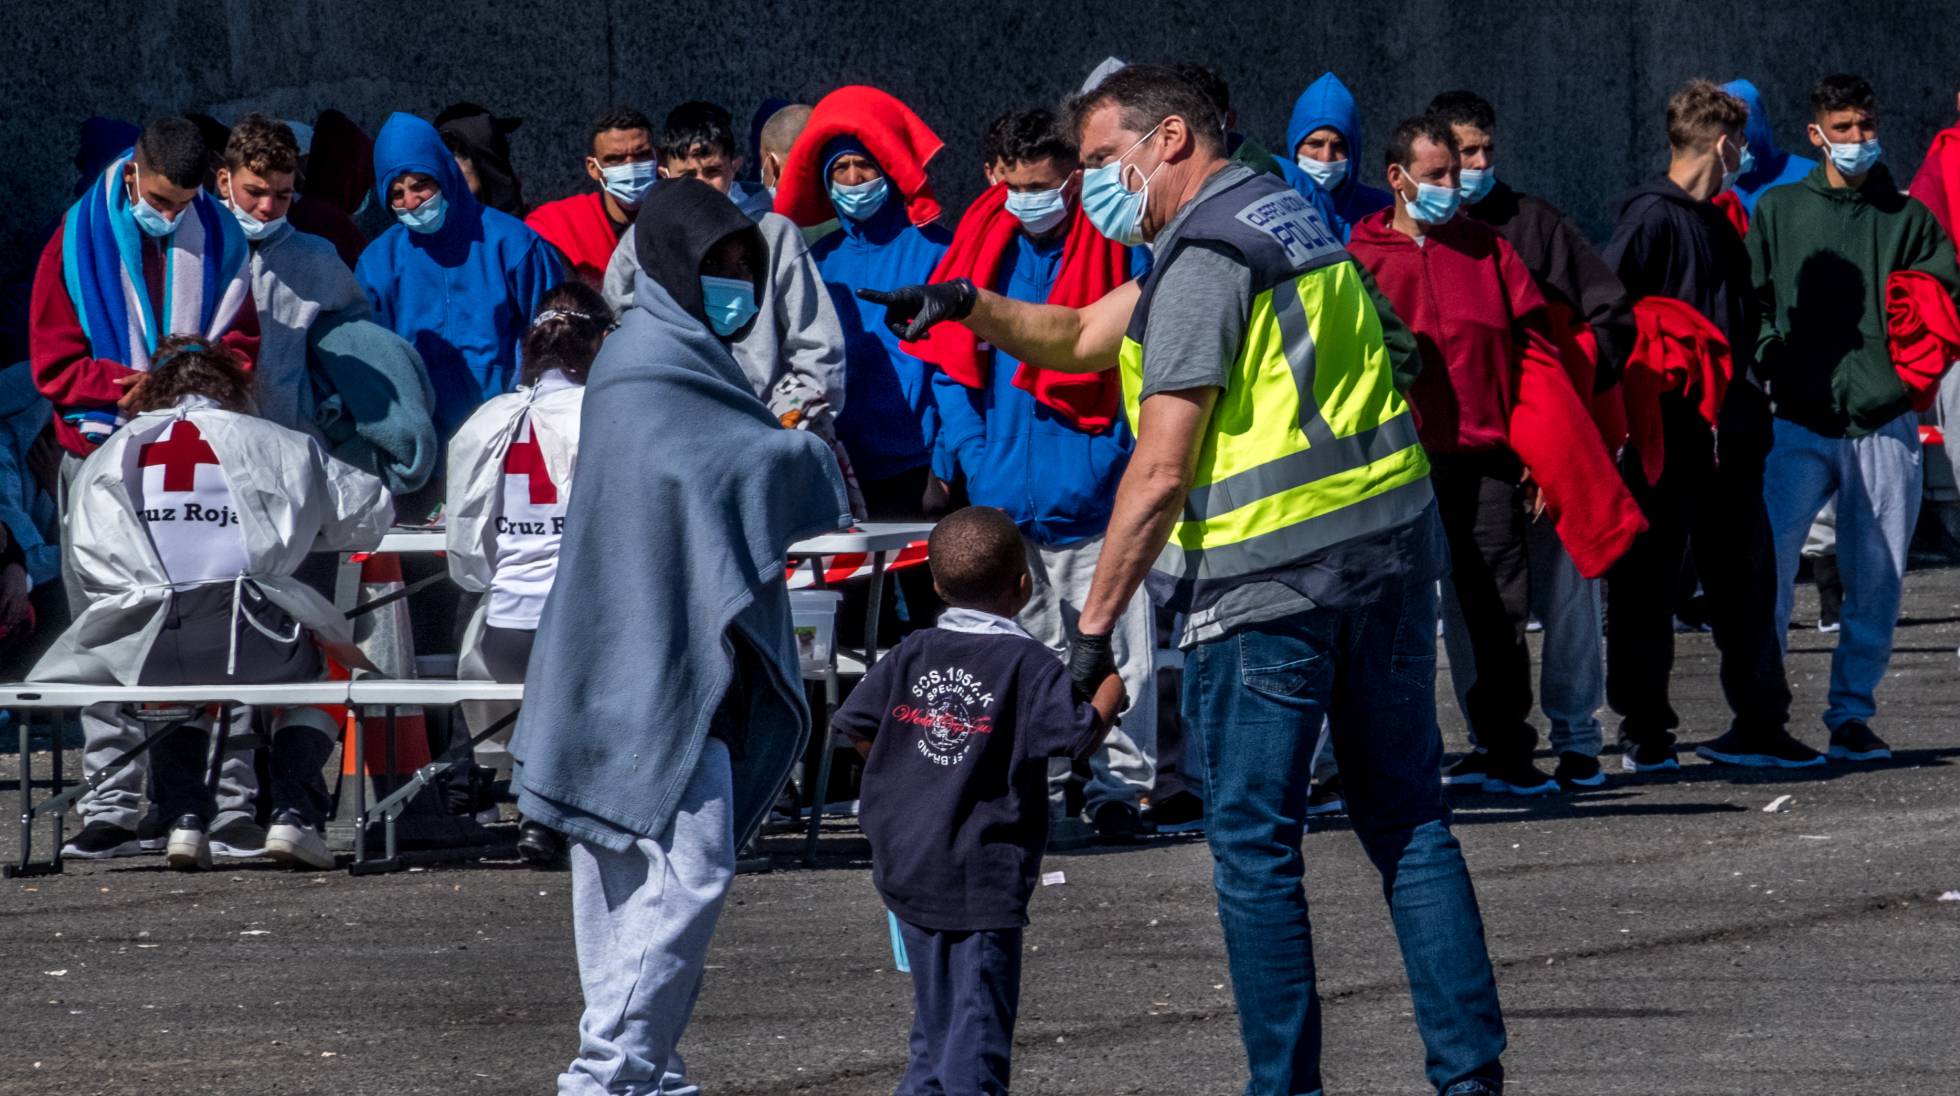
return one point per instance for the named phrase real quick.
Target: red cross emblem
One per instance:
(179, 453)
(526, 459)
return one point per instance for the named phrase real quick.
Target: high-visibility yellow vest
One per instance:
(1309, 444)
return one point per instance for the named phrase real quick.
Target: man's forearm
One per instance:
(1146, 508)
(1047, 335)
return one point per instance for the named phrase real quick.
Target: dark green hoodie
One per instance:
(1820, 257)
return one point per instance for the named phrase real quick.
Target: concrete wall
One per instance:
(1579, 84)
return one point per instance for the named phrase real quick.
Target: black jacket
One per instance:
(1567, 270)
(1667, 244)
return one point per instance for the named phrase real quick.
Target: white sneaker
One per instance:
(298, 846)
(188, 849)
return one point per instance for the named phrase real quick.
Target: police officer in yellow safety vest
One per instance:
(1278, 497)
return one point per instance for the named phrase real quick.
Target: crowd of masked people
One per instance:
(244, 343)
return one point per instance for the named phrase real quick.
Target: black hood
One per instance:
(682, 220)
(1659, 186)
(473, 131)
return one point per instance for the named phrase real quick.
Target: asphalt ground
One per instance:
(1656, 936)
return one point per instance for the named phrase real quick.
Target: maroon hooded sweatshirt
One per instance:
(1474, 310)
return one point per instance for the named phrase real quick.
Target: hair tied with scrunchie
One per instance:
(558, 314)
(197, 347)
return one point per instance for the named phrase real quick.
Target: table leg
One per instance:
(874, 608)
(388, 817)
(58, 729)
(360, 784)
(26, 792)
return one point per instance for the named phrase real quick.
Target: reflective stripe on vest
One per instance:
(1295, 462)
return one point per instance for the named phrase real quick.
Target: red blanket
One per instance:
(1731, 207)
(1924, 333)
(1676, 350)
(1938, 182)
(1091, 266)
(579, 228)
(898, 139)
(1553, 434)
(1579, 350)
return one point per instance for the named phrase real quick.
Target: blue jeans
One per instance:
(1877, 480)
(1260, 694)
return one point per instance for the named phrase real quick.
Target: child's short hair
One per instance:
(976, 556)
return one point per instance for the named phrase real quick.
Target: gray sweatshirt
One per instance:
(297, 280)
(794, 354)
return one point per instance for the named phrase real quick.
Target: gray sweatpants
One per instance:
(1877, 481)
(109, 730)
(1124, 769)
(1572, 670)
(642, 920)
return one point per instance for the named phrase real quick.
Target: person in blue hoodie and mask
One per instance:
(1324, 136)
(885, 235)
(455, 278)
(1764, 166)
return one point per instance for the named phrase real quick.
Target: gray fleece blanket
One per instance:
(687, 498)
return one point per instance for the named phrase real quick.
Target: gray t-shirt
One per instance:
(1197, 320)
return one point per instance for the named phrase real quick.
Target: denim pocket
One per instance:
(1278, 672)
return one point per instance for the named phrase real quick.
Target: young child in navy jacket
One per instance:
(956, 727)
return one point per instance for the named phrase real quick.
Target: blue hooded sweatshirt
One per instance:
(1774, 167)
(464, 294)
(889, 423)
(1057, 481)
(1327, 102)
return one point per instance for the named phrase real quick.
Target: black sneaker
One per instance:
(1469, 770)
(1325, 798)
(1577, 770)
(152, 832)
(1179, 812)
(1649, 757)
(539, 845)
(102, 841)
(239, 839)
(1118, 824)
(1851, 740)
(1763, 750)
(1519, 777)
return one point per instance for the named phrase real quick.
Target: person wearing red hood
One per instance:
(861, 159)
(1474, 308)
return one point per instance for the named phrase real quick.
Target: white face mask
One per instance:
(1329, 174)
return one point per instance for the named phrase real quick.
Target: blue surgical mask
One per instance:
(426, 217)
(1748, 162)
(1852, 157)
(629, 183)
(1329, 174)
(148, 217)
(1434, 205)
(1041, 211)
(1476, 183)
(1116, 210)
(729, 303)
(860, 201)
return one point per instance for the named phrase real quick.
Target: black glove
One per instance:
(913, 310)
(1091, 659)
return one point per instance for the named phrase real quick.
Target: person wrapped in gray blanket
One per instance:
(663, 701)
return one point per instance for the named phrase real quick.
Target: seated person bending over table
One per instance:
(187, 525)
(510, 481)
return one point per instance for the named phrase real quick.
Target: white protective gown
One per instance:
(476, 501)
(290, 498)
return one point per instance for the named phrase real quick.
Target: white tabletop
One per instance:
(49, 695)
(432, 692)
(874, 536)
